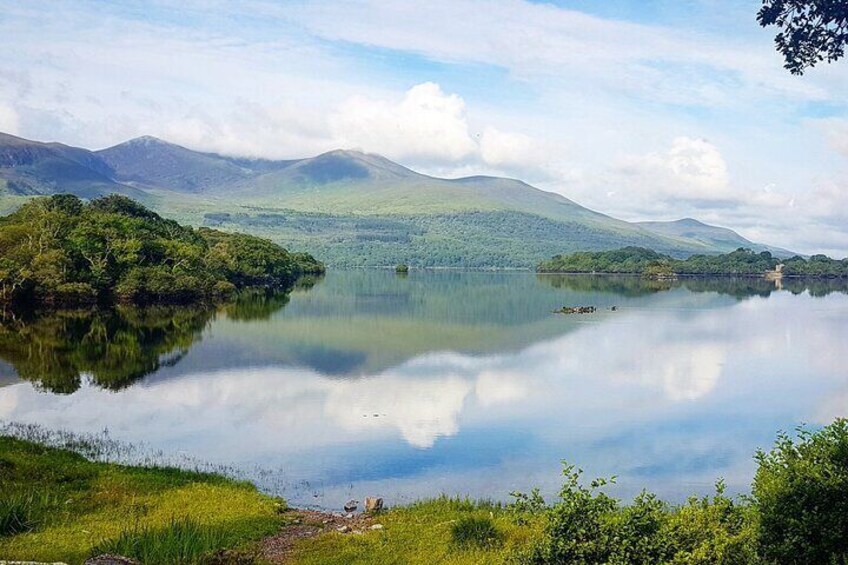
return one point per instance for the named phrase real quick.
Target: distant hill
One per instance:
(150, 162)
(712, 236)
(347, 207)
(31, 168)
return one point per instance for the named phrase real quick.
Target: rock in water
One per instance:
(373, 504)
(351, 505)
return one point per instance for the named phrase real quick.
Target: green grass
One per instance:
(182, 541)
(424, 533)
(475, 531)
(97, 505)
(18, 512)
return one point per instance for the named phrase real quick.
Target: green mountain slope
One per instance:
(31, 168)
(347, 207)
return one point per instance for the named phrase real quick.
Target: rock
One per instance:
(107, 559)
(576, 310)
(351, 505)
(343, 529)
(373, 504)
(4, 562)
(377, 526)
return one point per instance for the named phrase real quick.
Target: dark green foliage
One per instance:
(17, 512)
(475, 531)
(402, 269)
(801, 491)
(182, 542)
(798, 515)
(115, 347)
(588, 527)
(742, 262)
(61, 251)
(624, 260)
(478, 240)
(812, 31)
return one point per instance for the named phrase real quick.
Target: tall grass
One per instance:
(475, 531)
(182, 542)
(18, 512)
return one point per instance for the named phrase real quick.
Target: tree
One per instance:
(812, 30)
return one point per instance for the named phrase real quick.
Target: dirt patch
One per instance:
(304, 524)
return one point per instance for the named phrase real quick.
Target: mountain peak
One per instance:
(690, 222)
(146, 140)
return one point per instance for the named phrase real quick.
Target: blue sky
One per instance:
(644, 110)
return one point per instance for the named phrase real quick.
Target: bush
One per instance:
(576, 529)
(182, 542)
(801, 492)
(475, 531)
(713, 530)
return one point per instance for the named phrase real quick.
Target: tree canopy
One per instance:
(812, 31)
(64, 251)
(742, 262)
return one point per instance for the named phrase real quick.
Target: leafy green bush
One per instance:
(801, 493)
(476, 531)
(714, 530)
(182, 542)
(588, 527)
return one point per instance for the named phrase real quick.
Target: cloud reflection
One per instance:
(659, 390)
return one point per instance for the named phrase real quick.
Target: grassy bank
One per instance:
(57, 506)
(444, 530)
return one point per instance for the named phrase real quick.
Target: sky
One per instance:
(644, 110)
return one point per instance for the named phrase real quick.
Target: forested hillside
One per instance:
(61, 250)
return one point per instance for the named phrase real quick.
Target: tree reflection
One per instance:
(737, 287)
(113, 348)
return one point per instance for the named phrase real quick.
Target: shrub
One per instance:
(576, 529)
(182, 542)
(801, 491)
(476, 531)
(713, 530)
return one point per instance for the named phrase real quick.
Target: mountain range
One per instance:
(348, 207)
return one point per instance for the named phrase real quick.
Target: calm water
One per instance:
(463, 383)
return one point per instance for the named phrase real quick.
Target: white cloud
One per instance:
(426, 124)
(511, 150)
(429, 128)
(422, 409)
(536, 39)
(9, 120)
(691, 169)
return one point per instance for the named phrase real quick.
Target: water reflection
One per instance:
(466, 383)
(113, 348)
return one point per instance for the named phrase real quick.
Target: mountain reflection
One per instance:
(463, 383)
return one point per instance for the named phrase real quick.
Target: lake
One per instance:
(370, 383)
